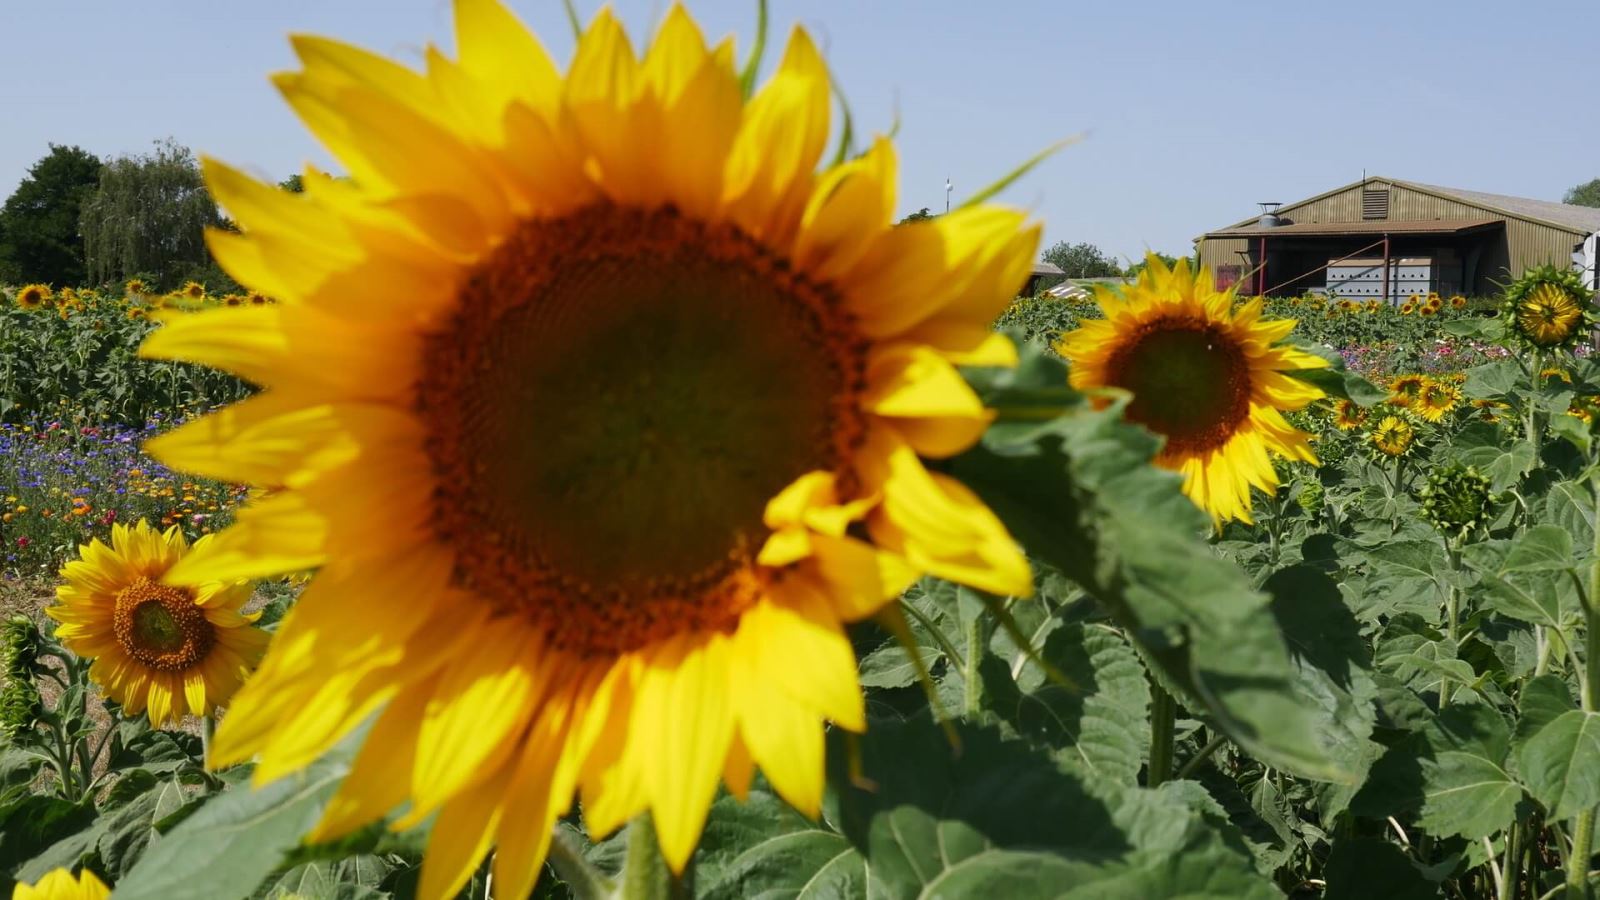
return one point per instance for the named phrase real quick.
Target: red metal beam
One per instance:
(1261, 270)
(1386, 268)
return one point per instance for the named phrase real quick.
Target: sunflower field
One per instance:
(604, 497)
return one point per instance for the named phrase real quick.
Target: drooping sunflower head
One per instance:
(1437, 399)
(1584, 408)
(1548, 374)
(58, 884)
(667, 389)
(1456, 501)
(1348, 415)
(1393, 436)
(159, 648)
(33, 296)
(1403, 389)
(1548, 308)
(1209, 378)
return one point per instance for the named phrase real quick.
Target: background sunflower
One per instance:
(1208, 377)
(158, 648)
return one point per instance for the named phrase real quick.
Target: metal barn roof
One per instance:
(1415, 226)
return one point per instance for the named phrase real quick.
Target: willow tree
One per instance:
(148, 217)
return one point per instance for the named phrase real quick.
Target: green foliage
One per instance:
(148, 216)
(87, 361)
(1586, 194)
(39, 238)
(1140, 265)
(1081, 260)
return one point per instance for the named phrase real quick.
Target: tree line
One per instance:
(76, 219)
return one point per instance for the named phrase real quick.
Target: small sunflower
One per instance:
(1393, 436)
(1428, 309)
(1348, 415)
(259, 299)
(1403, 390)
(156, 647)
(33, 296)
(1436, 399)
(641, 399)
(1209, 378)
(58, 884)
(233, 300)
(1374, 306)
(135, 287)
(1458, 302)
(193, 290)
(1407, 308)
(1548, 308)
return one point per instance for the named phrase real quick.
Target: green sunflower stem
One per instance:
(644, 872)
(585, 881)
(974, 658)
(1578, 860)
(1163, 727)
(1583, 829)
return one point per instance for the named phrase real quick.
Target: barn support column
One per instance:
(1386, 269)
(1261, 270)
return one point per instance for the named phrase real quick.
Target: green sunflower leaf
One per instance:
(1558, 749)
(226, 847)
(1466, 788)
(1079, 493)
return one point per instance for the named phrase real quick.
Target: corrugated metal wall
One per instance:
(1344, 206)
(1220, 252)
(1526, 244)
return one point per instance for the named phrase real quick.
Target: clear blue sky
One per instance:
(1192, 111)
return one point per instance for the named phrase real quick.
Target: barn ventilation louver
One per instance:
(1375, 203)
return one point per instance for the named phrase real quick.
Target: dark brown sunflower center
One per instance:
(161, 627)
(616, 399)
(1189, 379)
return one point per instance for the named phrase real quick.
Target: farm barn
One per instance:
(1382, 238)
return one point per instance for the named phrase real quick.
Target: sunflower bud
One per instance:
(1548, 308)
(1392, 436)
(19, 699)
(1456, 500)
(1312, 497)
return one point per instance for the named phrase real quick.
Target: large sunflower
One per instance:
(157, 647)
(1204, 375)
(601, 410)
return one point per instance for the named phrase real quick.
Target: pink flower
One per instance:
(23, 541)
